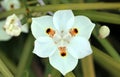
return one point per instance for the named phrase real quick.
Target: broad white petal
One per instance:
(79, 47)
(3, 35)
(63, 20)
(63, 64)
(84, 26)
(40, 25)
(44, 47)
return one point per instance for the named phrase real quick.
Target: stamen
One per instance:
(50, 32)
(62, 51)
(73, 31)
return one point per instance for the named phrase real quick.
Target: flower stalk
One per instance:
(23, 63)
(84, 6)
(88, 67)
(70, 74)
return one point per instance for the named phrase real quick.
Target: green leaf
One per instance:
(100, 16)
(88, 67)
(25, 57)
(4, 70)
(107, 62)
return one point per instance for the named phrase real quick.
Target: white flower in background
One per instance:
(104, 31)
(63, 38)
(10, 4)
(13, 26)
(3, 35)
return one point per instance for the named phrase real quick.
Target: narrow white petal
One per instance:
(84, 26)
(25, 28)
(63, 64)
(44, 47)
(3, 34)
(40, 25)
(79, 47)
(63, 19)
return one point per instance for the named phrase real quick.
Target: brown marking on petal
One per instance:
(73, 31)
(62, 51)
(12, 6)
(50, 32)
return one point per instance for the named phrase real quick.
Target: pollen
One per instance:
(73, 31)
(62, 51)
(50, 32)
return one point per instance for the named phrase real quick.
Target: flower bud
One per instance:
(104, 31)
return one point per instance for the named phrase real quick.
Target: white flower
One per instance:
(63, 38)
(7, 29)
(10, 4)
(104, 31)
(14, 27)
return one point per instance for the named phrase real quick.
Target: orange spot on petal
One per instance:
(73, 31)
(62, 51)
(50, 32)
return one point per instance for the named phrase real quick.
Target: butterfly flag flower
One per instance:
(63, 38)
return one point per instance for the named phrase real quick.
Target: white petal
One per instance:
(44, 47)
(79, 47)
(63, 64)
(25, 28)
(63, 19)
(40, 25)
(3, 34)
(84, 26)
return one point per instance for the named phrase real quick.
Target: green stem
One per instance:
(75, 6)
(23, 63)
(4, 70)
(107, 46)
(70, 74)
(105, 17)
(32, 2)
(8, 62)
(88, 67)
(107, 62)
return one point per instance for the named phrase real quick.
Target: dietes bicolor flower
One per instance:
(63, 38)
